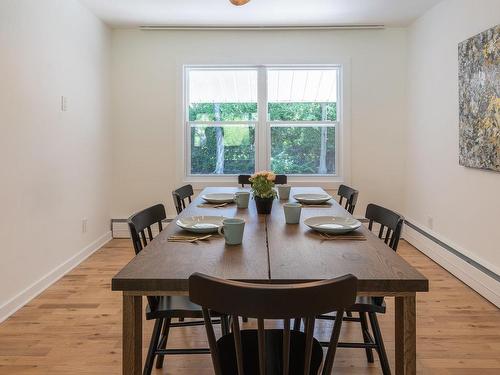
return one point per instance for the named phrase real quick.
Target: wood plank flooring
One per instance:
(74, 327)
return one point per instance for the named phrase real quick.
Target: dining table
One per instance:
(271, 252)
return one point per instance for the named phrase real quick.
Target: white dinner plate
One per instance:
(332, 224)
(312, 198)
(218, 197)
(200, 224)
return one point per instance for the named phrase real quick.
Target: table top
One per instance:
(272, 251)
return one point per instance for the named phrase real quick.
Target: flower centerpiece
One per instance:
(263, 191)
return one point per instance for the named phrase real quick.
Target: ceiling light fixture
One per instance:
(239, 2)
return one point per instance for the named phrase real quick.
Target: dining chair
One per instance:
(350, 195)
(281, 179)
(165, 308)
(391, 224)
(271, 351)
(244, 179)
(180, 195)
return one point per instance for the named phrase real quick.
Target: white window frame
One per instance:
(263, 125)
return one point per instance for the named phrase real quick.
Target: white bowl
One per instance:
(332, 224)
(200, 224)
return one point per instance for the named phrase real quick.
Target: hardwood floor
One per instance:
(74, 327)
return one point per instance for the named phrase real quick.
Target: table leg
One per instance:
(406, 339)
(132, 335)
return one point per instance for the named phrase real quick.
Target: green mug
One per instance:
(292, 212)
(232, 230)
(241, 198)
(284, 192)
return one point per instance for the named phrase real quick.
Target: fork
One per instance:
(205, 205)
(326, 236)
(188, 238)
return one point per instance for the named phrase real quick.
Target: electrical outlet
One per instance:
(430, 222)
(64, 104)
(84, 225)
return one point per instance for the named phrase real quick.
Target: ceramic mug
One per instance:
(292, 212)
(241, 198)
(284, 191)
(232, 230)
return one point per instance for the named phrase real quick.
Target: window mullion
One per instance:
(262, 131)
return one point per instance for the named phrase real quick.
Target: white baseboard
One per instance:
(478, 280)
(15, 303)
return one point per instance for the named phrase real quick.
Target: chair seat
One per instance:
(274, 353)
(368, 304)
(174, 307)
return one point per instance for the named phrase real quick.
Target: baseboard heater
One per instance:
(454, 251)
(479, 277)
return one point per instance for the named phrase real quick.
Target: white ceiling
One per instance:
(129, 13)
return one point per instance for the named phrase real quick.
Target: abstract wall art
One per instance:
(479, 100)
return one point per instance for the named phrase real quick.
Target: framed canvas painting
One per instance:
(479, 100)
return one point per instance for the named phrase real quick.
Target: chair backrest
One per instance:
(139, 224)
(389, 220)
(180, 196)
(281, 179)
(273, 301)
(350, 195)
(142, 221)
(244, 179)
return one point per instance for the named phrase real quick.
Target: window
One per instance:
(242, 119)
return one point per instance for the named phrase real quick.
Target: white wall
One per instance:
(464, 203)
(146, 95)
(55, 166)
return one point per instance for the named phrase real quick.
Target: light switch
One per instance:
(64, 103)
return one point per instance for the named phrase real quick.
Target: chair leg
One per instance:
(349, 314)
(297, 323)
(181, 319)
(366, 335)
(245, 319)
(224, 324)
(148, 365)
(163, 342)
(384, 362)
(332, 345)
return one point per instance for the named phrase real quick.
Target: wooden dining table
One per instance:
(271, 252)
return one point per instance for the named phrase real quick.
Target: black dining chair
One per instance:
(244, 179)
(391, 224)
(180, 195)
(165, 308)
(271, 351)
(350, 195)
(281, 179)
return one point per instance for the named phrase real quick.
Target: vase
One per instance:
(264, 205)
